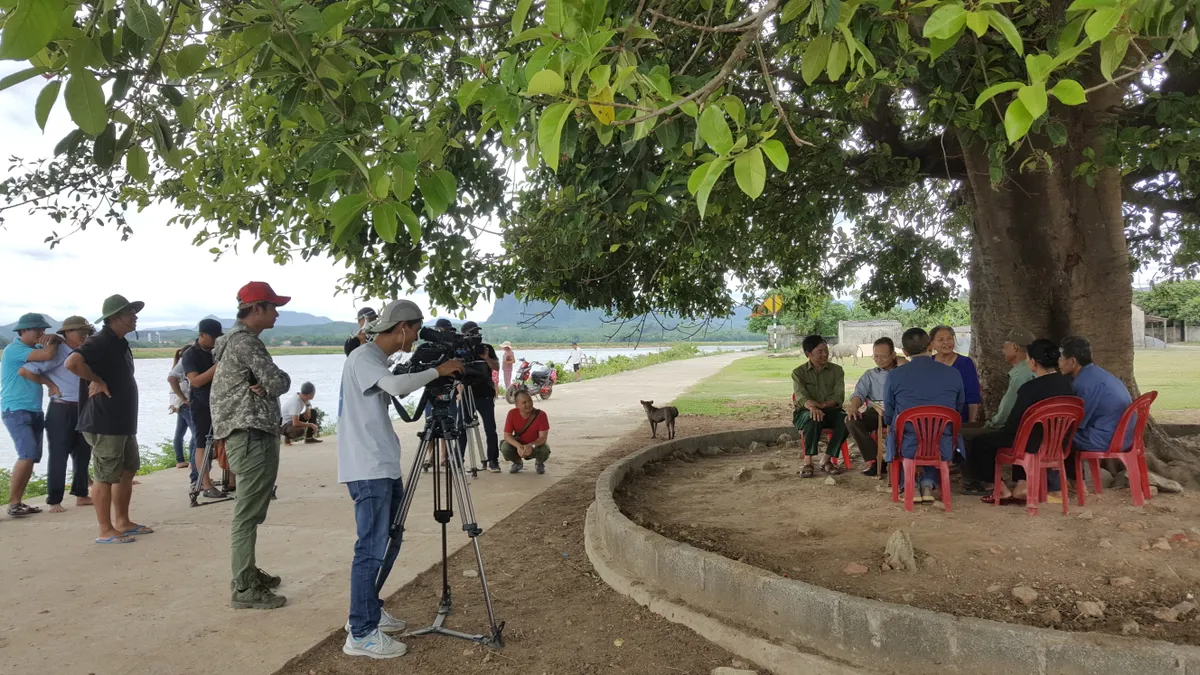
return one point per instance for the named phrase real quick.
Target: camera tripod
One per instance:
(475, 452)
(197, 488)
(443, 430)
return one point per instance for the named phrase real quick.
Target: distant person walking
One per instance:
(575, 360)
(178, 404)
(108, 418)
(509, 360)
(246, 387)
(197, 365)
(21, 405)
(365, 316)
(62, 417)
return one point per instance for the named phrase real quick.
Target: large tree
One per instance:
(674, 147)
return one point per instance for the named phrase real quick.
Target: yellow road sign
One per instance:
(773, 304)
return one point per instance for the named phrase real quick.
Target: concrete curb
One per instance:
(816, 630)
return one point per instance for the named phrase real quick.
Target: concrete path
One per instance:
(161, 605)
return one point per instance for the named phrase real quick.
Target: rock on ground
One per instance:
(743, 474)
(711, 451)
(1090, 610)
(1052, 616)
(1025, 594)
(1130, 627)
(854, 569)
(783, 439)
(754, 446)
(769, 466)
(830, 481)
(1164, 484)
(1121, 582)
(898, 553)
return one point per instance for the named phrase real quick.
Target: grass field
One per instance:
(756, 384)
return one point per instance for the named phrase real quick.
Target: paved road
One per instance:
(161, 605)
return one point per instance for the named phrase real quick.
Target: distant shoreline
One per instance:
(169, 352)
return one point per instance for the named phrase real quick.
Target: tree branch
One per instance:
(397, 30)
(762, 60)
(1160, 204)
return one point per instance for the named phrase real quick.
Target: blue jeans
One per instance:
(183, 425)
(26, 428)
(376, 503)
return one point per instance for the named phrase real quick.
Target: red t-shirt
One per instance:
(514, 423)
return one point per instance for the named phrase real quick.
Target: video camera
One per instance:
(441, 346)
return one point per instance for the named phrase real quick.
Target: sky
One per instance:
(179, 282)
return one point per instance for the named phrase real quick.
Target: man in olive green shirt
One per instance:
(1014, 349)
(819, 389)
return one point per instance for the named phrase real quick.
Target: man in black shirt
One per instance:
(198, 366)
(365, 316)
(483, 392)
(108, 418)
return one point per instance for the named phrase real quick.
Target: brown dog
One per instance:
(660, 415)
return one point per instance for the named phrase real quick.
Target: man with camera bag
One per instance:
(369, 465)
(483, 393)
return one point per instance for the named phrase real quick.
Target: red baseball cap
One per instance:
(260, 291)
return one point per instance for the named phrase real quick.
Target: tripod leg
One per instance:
(471, 527)
(396, 532)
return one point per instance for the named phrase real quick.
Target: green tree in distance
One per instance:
(671, 145)
(1171, 300)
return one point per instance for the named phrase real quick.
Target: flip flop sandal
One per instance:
(22, 510)
(831, 469)
(1004, 501)
(140, 529)
(807, 471)
(115, 540)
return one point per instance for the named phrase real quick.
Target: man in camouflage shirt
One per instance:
(245, 413)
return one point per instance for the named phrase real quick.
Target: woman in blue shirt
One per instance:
(943, 344)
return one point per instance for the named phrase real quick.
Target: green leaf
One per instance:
(1112, 53)
(411, 222)
(546, 82)
(468, 93)
(945, 21)
(776, 153)
(85, 102)
(550, 127)
(977, 22)
(143, 20)
(642, 33)
(1017, 121)
(838, 58)
(344, 212)
(735, 108)
(697, 177)
(105, 147)
(1039, 66)
(439, 190)
(366, 173)
(816, 57)
(1083, 5)
(190, 60)
(552, 16)
(1007, 29)
(1057, 133)
(938, 46)
(1101, 23)
(312, 116)
(30, 28)
(518, 19)
(137, 164)
(20, 76)
(750, 172)
(45, 103)
(793, 9)
(1034, 98)
(991, 91)
(715, 169)
(403, 182)
(690, 109)
(383, 219)
(1069, 36)
(1069, 92)
(715, 130)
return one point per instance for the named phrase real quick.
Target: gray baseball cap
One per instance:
(393, 313)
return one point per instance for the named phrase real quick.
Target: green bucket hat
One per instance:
(32, 320)
(115, 304)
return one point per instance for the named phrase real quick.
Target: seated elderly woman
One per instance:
(525, 431)
(1047, 382)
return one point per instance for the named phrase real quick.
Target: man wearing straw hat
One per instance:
(108, 418)
(62, 417)
(21, 403)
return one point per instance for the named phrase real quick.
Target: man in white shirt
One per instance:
(575, 360)
(369, 465)
(297, 417)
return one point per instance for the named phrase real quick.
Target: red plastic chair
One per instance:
(828, 433)
(929, 424)
(1134, 460)
(1059, 417)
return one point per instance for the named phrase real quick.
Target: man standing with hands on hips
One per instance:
(244, 401)
(369, 465)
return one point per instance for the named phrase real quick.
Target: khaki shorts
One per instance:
(112, 456)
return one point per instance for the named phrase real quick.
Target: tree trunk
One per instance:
(1049, 255)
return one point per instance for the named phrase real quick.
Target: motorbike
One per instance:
(532, 376)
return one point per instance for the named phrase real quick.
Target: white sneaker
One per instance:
(387, 623)
(376, 645)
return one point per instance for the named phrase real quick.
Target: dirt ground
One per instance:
(560, 617)
(1135, 561)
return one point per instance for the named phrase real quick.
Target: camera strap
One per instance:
(404, 413)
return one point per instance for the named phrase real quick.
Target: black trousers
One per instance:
(861, 429)
(981, 459)
(65, 442)
(486, 407)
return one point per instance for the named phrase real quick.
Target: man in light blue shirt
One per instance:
(21, 406)
(63, 416)
(1105, 397)
(923, 381)
(869, 389)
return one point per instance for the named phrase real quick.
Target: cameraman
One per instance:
(484, 394)
(369, 465)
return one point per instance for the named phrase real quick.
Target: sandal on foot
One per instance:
(1004, 501)
(140, 529)
(831, 469)
(115, 540)
(808, 471)
(20, 510)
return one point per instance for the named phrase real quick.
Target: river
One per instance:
(156, 424)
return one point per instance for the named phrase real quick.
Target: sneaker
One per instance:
(256, 597)
(494, 467)
(539, 467)
(516, 467)
(375, 645)
(313, 440)
(927, 494)
(214, 493)
(387, 623)
(263, 579)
